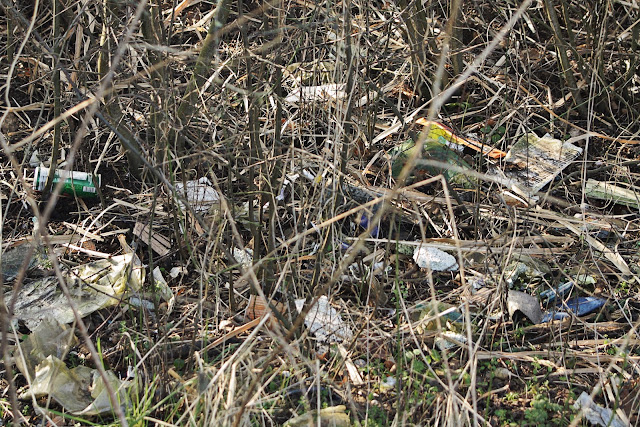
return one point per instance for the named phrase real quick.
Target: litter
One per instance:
(177, 271)
(612, 193)
(13, 259)
(322, 320)
(580, 306)
(364, 221)
(433, 150)
(449, 339)
(50, 338)
(534, 162)
(554, 315)
(163, 289)
(244, 257)
(524, 303)
(80, 390)
(200, 194)
(141, 303)
(525, 268)
(445, 134)
(70, 387)
(91, 286)
(76, 183)
(550, 295)
(434, 259)
(597, 414)
(325, 322)
(424, 314)
(388, 383)
(530, 307)
(34, 160)
(328, 92)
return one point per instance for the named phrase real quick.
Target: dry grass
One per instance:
(152, 96)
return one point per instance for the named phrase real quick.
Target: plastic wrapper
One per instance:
(80, 390)
(534, 162)
(91, 286)
(325, 322)
(200, 194)
(596, 414)
(433, 151)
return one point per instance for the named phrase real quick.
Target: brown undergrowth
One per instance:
(290, 110)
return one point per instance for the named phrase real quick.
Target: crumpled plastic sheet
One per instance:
(13, 258)
(80, 390)
(597, 414)
(200, 194)
(328, 92)
(325, 322)
(48, 339)
(163, 289)
(443, 343)
(92, 287)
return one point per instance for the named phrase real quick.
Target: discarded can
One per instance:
(75, 183)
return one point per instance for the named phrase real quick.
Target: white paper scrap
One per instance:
(325, 322)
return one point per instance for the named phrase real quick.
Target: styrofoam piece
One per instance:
(435, 259)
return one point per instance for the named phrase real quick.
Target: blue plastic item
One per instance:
(555, 315)
(550, 295)
(364, 223)
(580, 306)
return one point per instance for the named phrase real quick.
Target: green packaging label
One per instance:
(75, 183)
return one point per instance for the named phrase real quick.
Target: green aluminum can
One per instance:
(75, 183)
